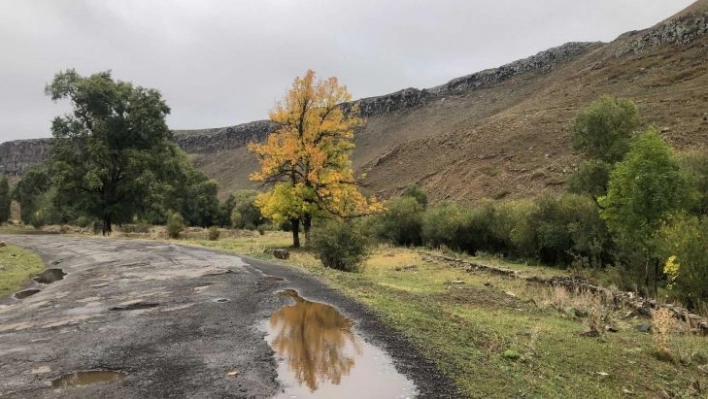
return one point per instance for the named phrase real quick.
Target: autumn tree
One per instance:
(306, 159)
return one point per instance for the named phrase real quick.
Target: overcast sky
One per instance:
(220, 63)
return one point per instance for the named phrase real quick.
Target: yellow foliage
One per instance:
(307, 156)
(671, 269)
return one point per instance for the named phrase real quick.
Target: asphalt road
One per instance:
(173, 320)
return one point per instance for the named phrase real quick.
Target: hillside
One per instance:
(496, 133)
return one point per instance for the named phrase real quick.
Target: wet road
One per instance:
(171, 321)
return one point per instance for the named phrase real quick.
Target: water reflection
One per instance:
(316, 339)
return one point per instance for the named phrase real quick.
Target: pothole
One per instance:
(81, 378)
(25, 293)
(221, 300)
(320, 355)
(136, 306)
(50, 276)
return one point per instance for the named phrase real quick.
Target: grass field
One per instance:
(17, 265)
(500, 337)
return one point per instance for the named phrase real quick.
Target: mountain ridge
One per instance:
(494, 133)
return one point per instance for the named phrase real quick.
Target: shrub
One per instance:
(83, 221)
(401, 222)
(414, 191)
(445, 225)
(684, 240)
(175, 224)
(213, 233)
(340, 245)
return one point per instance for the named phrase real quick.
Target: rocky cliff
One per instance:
(17, 156)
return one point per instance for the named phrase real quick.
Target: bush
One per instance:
(414, 191)
(214, 233)
(684, 240)
(175, 224)
(401, 222)
(340, 245)
(83, 221)
(445, 225)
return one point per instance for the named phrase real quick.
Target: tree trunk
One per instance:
(307, 225)
(296, 232)
(107, 224)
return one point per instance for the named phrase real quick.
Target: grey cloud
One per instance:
(225, 62)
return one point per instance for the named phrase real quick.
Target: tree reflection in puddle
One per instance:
(316, 339)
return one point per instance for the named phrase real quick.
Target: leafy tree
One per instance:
(602, 133)
(184, 189)
(603, 130)
(591, 178)
(5, 200)
(244, 212)
(695, 163)
(684, 247)
(413, 190)
(108, 152)
(29, 191)
(306, 159)
(645, 189)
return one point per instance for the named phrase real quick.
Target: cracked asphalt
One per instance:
(176, 320)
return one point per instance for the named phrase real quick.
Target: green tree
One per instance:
(5, 200)
(244, 212)
(695, 162)
(645, 189)
(108, 152)
(602, 132)
(413, 190)
(684, 239)
(29, 192)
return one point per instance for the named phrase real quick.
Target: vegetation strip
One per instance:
(578, 283)
(17, 266)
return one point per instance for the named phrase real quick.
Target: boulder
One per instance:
(281, 253)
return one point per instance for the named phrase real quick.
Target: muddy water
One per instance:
(320, 356)
(86, 378)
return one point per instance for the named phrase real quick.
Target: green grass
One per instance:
(483, 332)
(17, 265)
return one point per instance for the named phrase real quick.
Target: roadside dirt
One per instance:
(173, 321)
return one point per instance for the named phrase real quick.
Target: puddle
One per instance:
(320, 356)
(50, 276)
(81, 378)
(136, 306)
(25, 293)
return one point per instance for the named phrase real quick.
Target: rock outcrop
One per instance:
(680, 30)
(17, 156)
(405, 99)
